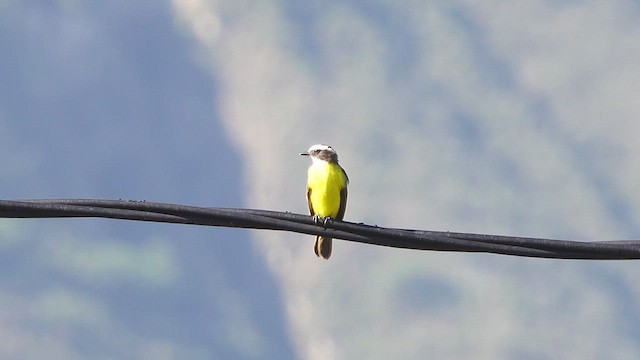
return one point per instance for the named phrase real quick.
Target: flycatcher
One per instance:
(326, 191)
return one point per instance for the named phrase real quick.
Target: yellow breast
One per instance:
(326, 180)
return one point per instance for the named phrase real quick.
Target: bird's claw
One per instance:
(320, 220)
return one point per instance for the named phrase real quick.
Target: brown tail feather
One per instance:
(323, 246)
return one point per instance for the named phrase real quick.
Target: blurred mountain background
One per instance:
(514, 118)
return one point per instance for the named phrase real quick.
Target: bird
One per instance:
(326, 191)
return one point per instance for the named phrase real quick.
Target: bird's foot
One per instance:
(320, 220)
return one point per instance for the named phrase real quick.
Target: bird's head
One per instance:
(321, 152)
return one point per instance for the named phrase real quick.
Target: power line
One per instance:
(285, 221)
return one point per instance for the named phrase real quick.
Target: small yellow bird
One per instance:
(326, 191)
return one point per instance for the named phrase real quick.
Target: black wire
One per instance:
(285, 221)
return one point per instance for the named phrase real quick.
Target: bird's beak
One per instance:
(304, 154)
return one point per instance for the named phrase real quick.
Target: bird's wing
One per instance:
(309, 202)
(345, 174)
(343, 203)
